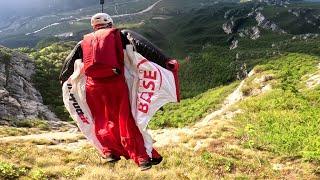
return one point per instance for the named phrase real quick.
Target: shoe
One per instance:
(145, 165)
(110, 159)
(156, 161)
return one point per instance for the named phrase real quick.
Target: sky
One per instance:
(9, 8)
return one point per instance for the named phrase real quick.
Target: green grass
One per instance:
(24, 127)
(222, 159)
(280, 126)
(189, 111)
(10, 171)
(286, 120)
(31, 123)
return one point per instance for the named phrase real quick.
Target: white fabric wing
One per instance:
(74, 98)
(150, 87)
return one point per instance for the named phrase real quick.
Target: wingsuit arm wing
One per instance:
(145, 48)
(152, 53)
(68, 66)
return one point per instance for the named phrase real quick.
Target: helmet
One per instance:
(101, 19)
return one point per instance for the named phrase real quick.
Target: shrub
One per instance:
(5, 55)
(10, 171)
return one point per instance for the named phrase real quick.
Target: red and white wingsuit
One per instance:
(112, 91)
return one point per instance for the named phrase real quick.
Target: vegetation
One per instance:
(31, 123)
(285, 120)
(197, 39)
(222, 158)
(10, 171)
(15, 131)
(17, 127)
(5, 54)
(191, 110)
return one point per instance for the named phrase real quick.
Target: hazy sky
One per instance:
(33, 7)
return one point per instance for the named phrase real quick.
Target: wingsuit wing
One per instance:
(152, 53)
(74, 99)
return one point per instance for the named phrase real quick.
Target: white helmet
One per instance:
(101, 19)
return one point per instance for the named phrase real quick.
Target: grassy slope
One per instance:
(191, 110)
(285, 120)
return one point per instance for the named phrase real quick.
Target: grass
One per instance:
(13, 131)
(189, 111)
(24, 127)
(10, 171)
(31, 123)
(222, 159)
(285, 121)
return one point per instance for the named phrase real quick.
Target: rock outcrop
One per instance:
(228, 27)
(239, 24)
(253, 33)
(267, 24)
(18, 97)
(305, 36)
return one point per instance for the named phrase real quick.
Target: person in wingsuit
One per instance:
(107, 95)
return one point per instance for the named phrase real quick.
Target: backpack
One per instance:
(102, 53)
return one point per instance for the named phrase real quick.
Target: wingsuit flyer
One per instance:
(114, 81)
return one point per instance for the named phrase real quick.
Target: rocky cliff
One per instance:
(18, 97)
